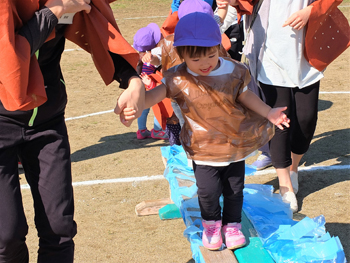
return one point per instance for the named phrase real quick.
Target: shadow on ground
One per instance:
(115, 143)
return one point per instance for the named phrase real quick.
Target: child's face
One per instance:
(203, 64)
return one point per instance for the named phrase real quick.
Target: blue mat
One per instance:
(283, 238)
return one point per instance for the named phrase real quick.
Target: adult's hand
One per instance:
(133, 97)
(60, 7)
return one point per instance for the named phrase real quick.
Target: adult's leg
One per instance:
(306, 111)
(13, 224)
(47, 165)
(209, 191)
(280, 148)
(233, 185)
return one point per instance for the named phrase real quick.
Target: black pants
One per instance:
(302, 111)
(214, 181)
(45, 154)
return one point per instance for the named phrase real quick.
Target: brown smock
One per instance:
(217, 127)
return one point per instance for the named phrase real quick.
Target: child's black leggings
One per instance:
(214, 181)
(302, 111)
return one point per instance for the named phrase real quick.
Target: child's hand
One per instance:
(127, 116)
(278, 117)
(147, 58)
(299, 19)
(146, 79)
(222, 4)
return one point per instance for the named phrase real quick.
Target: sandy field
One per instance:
(109, 231)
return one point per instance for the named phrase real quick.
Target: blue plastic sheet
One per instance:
(286, 240)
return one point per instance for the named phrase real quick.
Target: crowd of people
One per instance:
(190, 68)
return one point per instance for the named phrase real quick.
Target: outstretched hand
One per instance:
(133, 98)
(278, 117)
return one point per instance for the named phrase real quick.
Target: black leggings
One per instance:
(212, 182)
(302, 111)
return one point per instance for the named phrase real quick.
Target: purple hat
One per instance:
(197, 29)
(147, 37)
(190, 6)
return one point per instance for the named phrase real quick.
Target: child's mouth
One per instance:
(205, 70)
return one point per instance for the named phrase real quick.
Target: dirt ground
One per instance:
(108, 229)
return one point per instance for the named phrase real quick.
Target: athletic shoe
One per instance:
(211, 236)
(295, 182)
(290, 198)
(263, 161)
(159, 135)
(143, 134)
(20, 166)
(234, 238)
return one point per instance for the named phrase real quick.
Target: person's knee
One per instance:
(12, 239)
(64, 228)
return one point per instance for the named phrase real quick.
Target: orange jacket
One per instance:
(21, 81)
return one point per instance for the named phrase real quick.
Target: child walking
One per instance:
(224, 123)
(146, 40)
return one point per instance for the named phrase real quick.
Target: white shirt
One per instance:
(283, 62)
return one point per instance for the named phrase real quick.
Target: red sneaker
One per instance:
(143, 134)
(159, 135)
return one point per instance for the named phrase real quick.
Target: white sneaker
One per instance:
(290, 198)
(295, 181)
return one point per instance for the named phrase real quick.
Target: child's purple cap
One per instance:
(147, 38)
(197, 29)
(191, 6)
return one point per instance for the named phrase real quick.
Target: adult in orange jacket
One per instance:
(32, 105)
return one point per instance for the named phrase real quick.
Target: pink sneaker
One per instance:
(160, 135)
(211, 237)
(234, 238)
(143, 134)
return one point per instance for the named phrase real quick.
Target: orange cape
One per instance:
(327, 33)
(162, 110)
(21, 82)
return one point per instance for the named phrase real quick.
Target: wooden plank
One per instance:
(222, 256)
(151, 207)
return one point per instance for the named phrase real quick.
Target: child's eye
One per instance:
(195, 60)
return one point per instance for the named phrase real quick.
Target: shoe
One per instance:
(234, 237)
(20, 166)
(159, 135)
(295, 181)
(290, 198)
(263, 161)
(143, 134)
(211, 237)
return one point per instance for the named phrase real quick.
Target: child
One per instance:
(145, 40)
(224, 123)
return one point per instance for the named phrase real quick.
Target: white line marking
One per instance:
(129, 18)
(111, 181)
(334, 92)
(88, 115)
(160, 177)
(309, 168)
